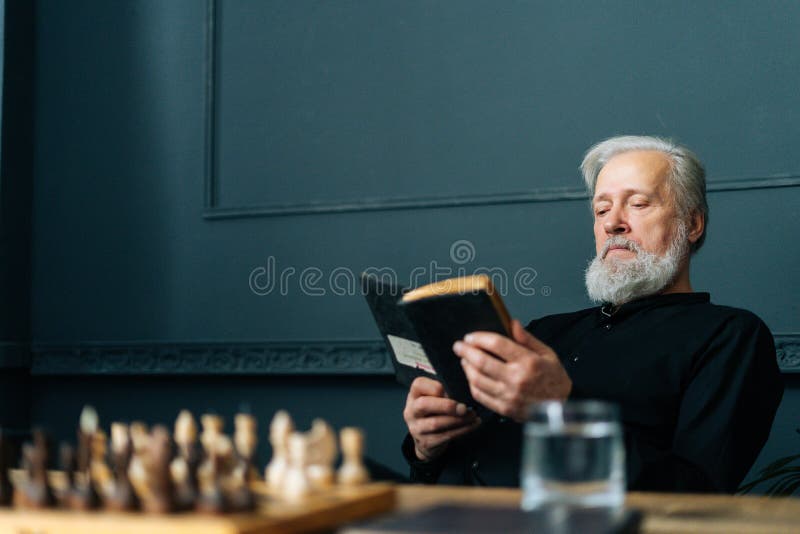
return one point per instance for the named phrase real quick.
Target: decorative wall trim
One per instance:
(212, 210)
(14, 355)
(788, 348)
(352, 357)
(339, 357)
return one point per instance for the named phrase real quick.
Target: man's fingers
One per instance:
(423, 386)
(429, 406)
(523, 337)
(480, 360)
(442, 424)
(429, 442)
(498, 345)
(479, 380)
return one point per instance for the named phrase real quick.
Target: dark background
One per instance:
(158, 157)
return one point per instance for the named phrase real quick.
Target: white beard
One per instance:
(620, 281)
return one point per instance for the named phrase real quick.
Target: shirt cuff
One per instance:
(426, 472)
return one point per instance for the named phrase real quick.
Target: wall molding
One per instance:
(14, 355)
(335, 357)
(787, 347)
(213, 210)
(340, 357)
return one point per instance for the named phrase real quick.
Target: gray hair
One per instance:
(687, 180)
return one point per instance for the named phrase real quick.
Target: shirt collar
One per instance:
(607, 312)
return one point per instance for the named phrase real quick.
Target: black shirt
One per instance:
(697, 385)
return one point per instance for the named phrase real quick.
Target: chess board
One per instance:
(319, 512)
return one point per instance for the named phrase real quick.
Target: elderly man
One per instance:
(697, 383)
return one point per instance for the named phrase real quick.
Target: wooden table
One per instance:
(662, 512)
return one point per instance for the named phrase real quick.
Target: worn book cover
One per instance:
(421, 325)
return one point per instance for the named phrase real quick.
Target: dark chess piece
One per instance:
(6, 490)
(212, 499)
(84, 495)
(69, 465)
(35, 491)
(244, 473)
(123, 497)
(157, 460)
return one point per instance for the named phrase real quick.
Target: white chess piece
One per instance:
(296, 485)
(279, 431)
(321, 455)
(352, 471)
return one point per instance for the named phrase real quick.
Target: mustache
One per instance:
(619, 241)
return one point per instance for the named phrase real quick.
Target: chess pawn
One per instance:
(279, 431)
(352, 471)
(6, 490)
(296, 485)
(321, 455)
(123, 497)
(35, 491)
(212, 429)
(184, 467)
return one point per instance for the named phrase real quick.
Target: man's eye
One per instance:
(600, 212)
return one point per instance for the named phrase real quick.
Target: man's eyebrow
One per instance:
(626, 192)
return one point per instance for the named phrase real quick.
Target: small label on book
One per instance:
(410, 353)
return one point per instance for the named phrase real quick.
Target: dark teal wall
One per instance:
(180, 145)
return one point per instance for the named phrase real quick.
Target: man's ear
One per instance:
(697, 223)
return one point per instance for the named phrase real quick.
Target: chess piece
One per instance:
(212, 429)
(184, 467)
(136, 472)
(66, 455)
(150, 476)
(35, 491)
(6, 490)
(352, 471)
(101, 474)
(321, 455)
(296, 485)
(244, 472)
(279, 431)
(122, 497)
(246, 439)
(84, 496)
(212, 472)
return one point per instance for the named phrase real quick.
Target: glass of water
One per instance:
(573, 455)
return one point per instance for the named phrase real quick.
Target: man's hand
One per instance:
(506, 375)
(433, 419)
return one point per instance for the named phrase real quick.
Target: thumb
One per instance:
(525, 338)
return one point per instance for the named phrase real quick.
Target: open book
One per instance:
(421, 325)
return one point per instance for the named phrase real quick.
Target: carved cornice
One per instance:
(354, 357)
(14, 355)
(788, 348)
(362, 357)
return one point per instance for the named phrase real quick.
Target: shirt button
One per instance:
(502, 420)
(608, 327)
(475, 465)
(574, 358)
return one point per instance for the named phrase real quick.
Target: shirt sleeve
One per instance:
(420, 471)
(726, 412)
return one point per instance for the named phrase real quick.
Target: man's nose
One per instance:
(615, 222)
